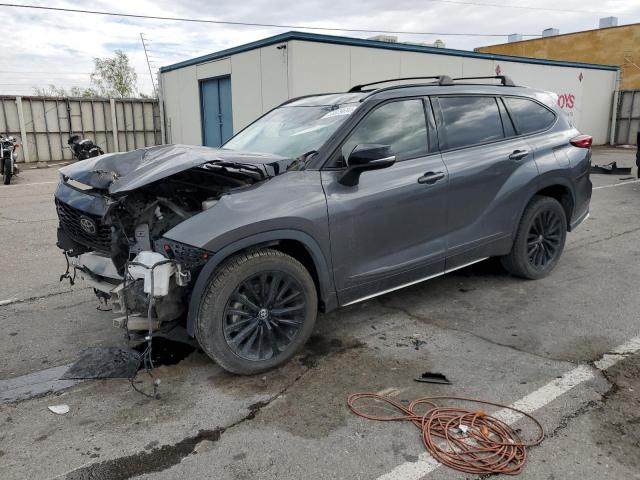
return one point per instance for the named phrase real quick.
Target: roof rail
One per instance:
(442, 80)
(506, 81)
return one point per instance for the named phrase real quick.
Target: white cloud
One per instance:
(64, 44)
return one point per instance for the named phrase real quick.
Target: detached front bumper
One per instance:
(151, 278)
(98, 271)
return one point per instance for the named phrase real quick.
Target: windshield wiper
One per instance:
(302, 160)
(239, 166)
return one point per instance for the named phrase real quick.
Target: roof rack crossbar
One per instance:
(442, 80)
(504, 80)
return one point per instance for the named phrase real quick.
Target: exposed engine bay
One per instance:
(139, 219)
(114, 240)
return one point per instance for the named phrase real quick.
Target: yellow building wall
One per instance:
(609, 46)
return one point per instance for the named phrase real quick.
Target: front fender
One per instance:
(325, 279)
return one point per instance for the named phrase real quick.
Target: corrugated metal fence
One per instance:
(628, 117)
(43, 124)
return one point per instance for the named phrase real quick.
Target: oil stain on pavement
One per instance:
(616, 423)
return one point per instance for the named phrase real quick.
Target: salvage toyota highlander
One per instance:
(325, 201)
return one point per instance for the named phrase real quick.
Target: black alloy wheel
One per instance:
(544, 238)
(264, 314)
(258, 309)
(539, 239)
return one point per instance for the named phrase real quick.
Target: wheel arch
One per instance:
(296, 243)
(558, 188)
(564, 195)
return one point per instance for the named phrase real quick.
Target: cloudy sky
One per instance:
(43, 47)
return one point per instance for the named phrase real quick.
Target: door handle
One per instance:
(430, 178)
(518, 155)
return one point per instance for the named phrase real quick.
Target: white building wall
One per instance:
(263, 78)
(275, 79)
(318, 67)
(181, 98)
(246, 88)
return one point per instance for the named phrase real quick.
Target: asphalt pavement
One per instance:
(566, 348)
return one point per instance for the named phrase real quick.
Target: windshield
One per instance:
(292, 131)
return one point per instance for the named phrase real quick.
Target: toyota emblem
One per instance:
(88, 225)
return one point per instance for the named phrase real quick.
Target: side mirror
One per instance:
(366, 156)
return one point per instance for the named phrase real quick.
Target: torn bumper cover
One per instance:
(149, 273)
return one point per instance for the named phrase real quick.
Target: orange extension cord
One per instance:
(483, 445)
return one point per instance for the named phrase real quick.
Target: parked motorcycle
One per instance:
(8, 146)
(83, 148)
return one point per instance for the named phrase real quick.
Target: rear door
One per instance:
(389, 230)
(488, 165)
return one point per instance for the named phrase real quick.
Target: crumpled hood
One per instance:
(122, 172)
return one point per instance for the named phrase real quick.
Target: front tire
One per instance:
(539, 241)
(257, 311)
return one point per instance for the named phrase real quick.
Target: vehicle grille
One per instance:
(70, 219)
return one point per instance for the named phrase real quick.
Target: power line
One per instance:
(39, 83)
(253, 24)
(39, 72)
(521, 7)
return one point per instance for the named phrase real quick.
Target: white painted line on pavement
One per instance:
(616, 184)
(529, 404)
(413, 470)
(614, 356)
(546, 394)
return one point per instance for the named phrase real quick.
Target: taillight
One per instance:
(582, 141)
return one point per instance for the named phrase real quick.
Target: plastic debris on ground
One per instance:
(59, 409)
(109, 362)
(433, 377)
(610, 168)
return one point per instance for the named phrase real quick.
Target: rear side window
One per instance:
(401, 125)
(529, 116)
(470, 120)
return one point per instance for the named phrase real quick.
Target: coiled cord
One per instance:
(469, 441)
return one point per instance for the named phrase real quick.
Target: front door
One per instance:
(389, 230)
(217, 122)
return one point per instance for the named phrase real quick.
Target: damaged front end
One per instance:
(115, 209)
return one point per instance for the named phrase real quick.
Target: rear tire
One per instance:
(257, 311)
(539, 240)
(6, 174)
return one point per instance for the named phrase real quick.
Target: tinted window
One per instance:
(470, 120)
(529, 115)
(398, 124)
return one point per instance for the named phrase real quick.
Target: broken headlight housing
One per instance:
(188, 257)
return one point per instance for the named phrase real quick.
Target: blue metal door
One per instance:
(217, 122)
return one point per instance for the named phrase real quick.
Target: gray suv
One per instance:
(325, 201)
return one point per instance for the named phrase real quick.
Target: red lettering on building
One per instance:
(566, 100)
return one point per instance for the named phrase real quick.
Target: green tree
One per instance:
(49, 91)
(52, 91)
(82, 92)
(114, 76)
